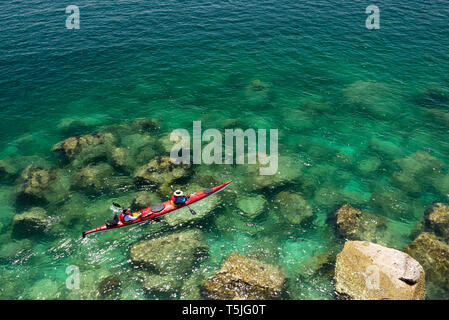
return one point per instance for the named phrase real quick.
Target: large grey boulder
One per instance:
(368, 271)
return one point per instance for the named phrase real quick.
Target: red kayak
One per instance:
(163, 208)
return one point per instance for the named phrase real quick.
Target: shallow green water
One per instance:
(349, 104)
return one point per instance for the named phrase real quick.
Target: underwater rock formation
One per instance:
(171, 254)
(34, 183)
(161, 171)
(292, 207)
(145, 125)
(93, 178)
(8, 170)
(357, 225)
(122, 160)
(244, 278)
(417, 170)
(110, 287)
(87, 147)
(368, 271)
(10, 249)
(252, 206)
(31, 222)
(143, 200)
(155, 283)
(438, 219)
(433, 254)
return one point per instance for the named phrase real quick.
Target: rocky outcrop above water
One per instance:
(244, 278)
(32, 222)
(367, 271)
(171, 254)
(438, 219)
(433, 254)
(354, 224)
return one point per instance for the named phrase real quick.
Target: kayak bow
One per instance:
(162, 208)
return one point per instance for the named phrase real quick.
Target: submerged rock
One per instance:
(144, 200)
(35, 182)
(8, 171)
(367, 271)
(155, 283)
(252, 206)
(392, 201)
(438, 116)
(123, 160)
(354, 224)
(77, 125)
(35, 221)
(87, 147)
(433, 255)
(145, 125)
(417, 170)
(288, 172)
(136, 141)
(93, 178)
(244, 278)
(438, 218)
(372, 98)
(233, 123)
(369, 165)
(347, 219)
(257, 92)
(292, 207)
(172, 254)
(434, 96)
(191, 288)
(315, 263)
(110, 287)
(385, 147)
(45, 289)
(160, 171)
(12, 249)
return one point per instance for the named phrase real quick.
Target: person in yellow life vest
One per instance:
(178, 198)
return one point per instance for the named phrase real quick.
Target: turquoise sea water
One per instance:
(352, 106)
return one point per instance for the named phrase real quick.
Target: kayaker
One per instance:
(178, 198)
(126, 216)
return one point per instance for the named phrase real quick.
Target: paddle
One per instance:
(115, 204)
(191, 210)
